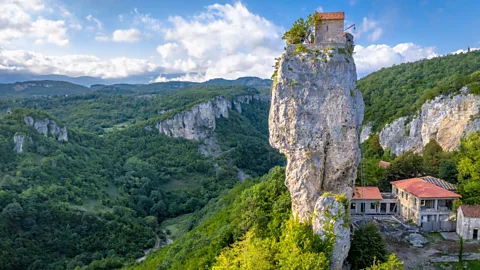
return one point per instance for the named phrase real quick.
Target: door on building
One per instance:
(475, 234)
(362, 207)
(383, 208)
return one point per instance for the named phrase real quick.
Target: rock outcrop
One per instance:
(199, 122)
(365, 133)
(47, 127)
(18, 139)
(315, 116)
(333, 224)
(444, 119)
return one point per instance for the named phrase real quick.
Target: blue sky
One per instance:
(200, 40)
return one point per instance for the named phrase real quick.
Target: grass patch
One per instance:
(178, 226)
(434, 237)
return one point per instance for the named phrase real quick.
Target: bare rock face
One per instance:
(333, 224)
(315, 114)
(47, 126)
(444, 119)
(366, 132)
(199, 122)
(18, 139)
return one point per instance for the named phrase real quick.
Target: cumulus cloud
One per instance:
(16, 22)
(369, 28)
(128, 35)
(371, 58)
(73, 65)
(464, 50)
(225, 41)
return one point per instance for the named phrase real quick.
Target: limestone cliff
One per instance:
(315, 115)
(444, 119)
(199, 122)
(47, 127)
(18, 139)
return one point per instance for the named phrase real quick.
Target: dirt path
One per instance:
(155, 247)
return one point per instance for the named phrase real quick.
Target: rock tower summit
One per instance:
(315, 116)
(329, 27)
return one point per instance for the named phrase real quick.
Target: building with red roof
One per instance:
(425, 204)
(329, 27)
(369, 200)
(468, 222)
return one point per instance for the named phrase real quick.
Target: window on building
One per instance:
(406, 196)
(372, 205)
(402, 194)
(422, 202)
(415, 201)
(352, 206)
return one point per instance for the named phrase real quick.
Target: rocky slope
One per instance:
(315, 114)
(47, 127)
(444, 119)
(198, 122)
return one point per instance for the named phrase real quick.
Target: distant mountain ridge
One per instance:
(55, 87)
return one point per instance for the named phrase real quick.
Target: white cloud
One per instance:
(98, 23)
(369, 27)
(129, 35)
(224, 41)
(372, 58)
(73, 65)
(319, 9)
(149, 23)
(16, 22)
(50, 31)
(464, 50)
(189, 77)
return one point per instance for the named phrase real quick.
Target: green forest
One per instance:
(117, 189)
(97, 201)
(402, 89)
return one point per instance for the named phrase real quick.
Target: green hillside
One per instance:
(400, 90)
(107, 190)
(41, 88)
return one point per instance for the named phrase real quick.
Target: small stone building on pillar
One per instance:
(329, 27)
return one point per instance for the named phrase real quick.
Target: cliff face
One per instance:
(198, 122)
(315, 115)
(445, 119)
(18, 139)
(47, 127)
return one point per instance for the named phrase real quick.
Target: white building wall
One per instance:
(466, 225)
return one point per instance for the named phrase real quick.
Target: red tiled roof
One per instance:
(369, 193)
(471, 211)
(424, 189)
(330, 16)
(383, 164)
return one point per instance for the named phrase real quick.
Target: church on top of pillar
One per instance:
(329, 27)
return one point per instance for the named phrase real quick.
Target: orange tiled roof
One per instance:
(369, 193)
(471, 211)
(383, 164)
(424, 189)
(330, 16)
